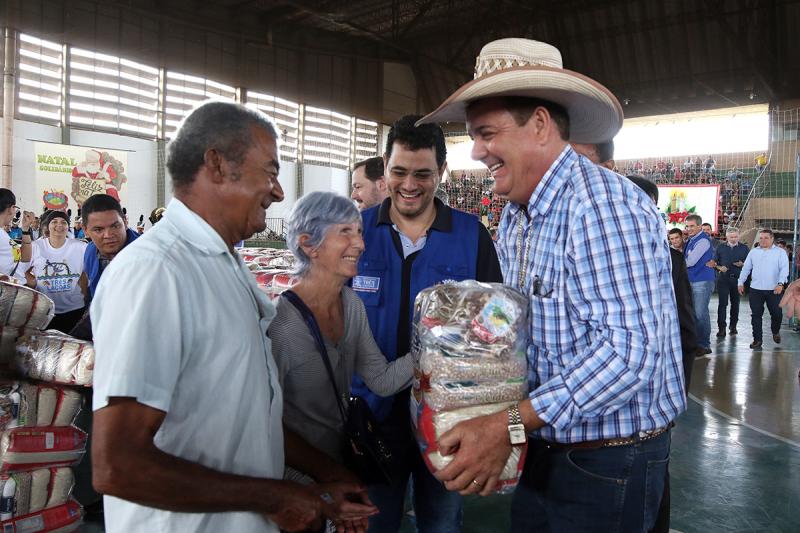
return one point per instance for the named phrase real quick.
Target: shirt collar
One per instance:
(443, 221)
(194, 228)
(546, 193)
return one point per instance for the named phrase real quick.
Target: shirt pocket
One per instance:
(550, 326)
(369, 283)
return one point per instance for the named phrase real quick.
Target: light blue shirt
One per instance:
(180, 324)
(409, 246)
(604, 352)
(769, 267)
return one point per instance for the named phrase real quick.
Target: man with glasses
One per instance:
(412, 241)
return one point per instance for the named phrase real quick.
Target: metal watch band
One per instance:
(514, 417)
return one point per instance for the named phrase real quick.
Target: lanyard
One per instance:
(522, 251)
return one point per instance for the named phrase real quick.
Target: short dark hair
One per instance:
(605, 151)
(53, 214)
(7, 199)
(224, 126)
(649, 188)
(522, 108)
(768, 232)
(373, 168)
(100, 202)
(416, 138)
(707, 224)
(674, 231)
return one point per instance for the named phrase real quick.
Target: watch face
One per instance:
(517, 434)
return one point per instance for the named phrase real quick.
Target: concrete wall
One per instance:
(317, 178)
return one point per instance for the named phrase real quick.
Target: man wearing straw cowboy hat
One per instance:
(604, 354)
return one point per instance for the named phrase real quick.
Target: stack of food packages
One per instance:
(271, 267)
(469, 342)
(39, 402)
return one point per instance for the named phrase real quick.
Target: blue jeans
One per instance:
(614, 489)
(701, 296)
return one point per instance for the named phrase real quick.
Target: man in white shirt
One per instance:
(769, 267)
(188, 409)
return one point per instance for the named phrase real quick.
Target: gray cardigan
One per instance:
(309, 406)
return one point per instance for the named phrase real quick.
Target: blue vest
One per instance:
(700, 272)
(446, 256)
(91, 263)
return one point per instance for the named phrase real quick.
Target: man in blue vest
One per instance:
(699, 252)
(412, 241)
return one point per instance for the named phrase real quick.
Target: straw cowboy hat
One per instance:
(523, 67)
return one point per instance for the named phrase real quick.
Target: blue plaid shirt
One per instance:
(590, 253)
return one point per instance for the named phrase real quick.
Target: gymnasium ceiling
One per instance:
(657, 56)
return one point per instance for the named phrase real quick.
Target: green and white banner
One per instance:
(67, 175)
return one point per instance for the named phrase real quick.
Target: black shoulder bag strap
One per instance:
(311, 322)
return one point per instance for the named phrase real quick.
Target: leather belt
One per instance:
(608, 443)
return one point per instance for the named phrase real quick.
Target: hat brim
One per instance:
(595, 114)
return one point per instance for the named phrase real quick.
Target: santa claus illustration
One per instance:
(93, 167)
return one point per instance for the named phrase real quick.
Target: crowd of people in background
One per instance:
(471, 190)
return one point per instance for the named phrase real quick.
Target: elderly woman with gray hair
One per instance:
(324, 234)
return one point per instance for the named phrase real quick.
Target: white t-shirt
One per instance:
(10, 256)
(218, 385)
(57, 271)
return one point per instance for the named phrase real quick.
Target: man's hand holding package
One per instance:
(481, 447)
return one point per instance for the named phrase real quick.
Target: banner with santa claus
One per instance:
(67, 175)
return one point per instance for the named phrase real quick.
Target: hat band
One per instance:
(486, 66)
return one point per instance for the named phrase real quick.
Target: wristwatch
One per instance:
(516, 430)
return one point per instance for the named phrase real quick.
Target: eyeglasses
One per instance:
(419, 175)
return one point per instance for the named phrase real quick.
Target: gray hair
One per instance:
(731, 230)
(313, 215)
(223, 126)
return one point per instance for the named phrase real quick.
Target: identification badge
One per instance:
(366, 284)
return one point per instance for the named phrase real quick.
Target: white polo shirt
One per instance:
(180, 324)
